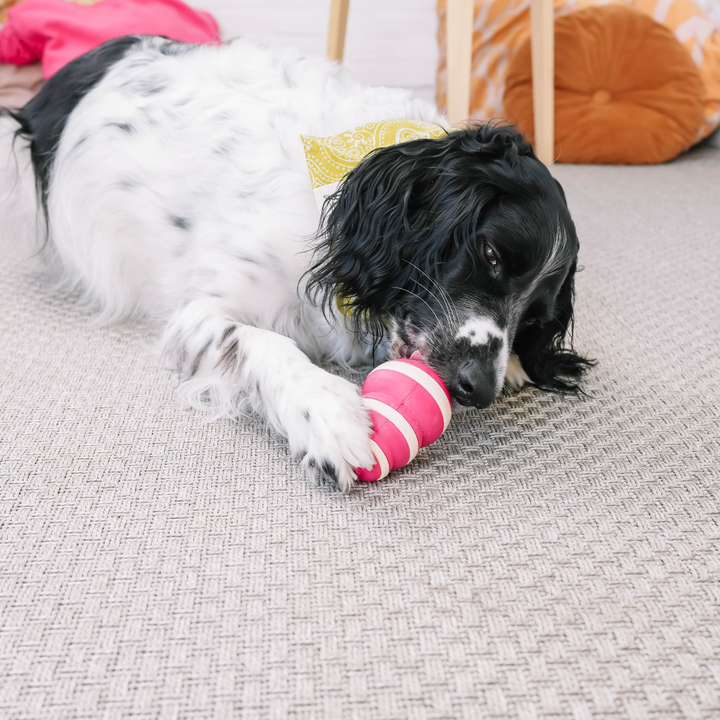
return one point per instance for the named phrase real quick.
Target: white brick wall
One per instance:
(389, 42)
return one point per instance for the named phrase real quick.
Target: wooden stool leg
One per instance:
(338, 25)
(460, 22)
(542, 22)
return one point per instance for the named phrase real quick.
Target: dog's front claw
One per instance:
(324, 472)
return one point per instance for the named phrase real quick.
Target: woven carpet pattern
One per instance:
(550, 557)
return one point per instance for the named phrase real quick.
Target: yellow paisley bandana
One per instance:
(329, 159)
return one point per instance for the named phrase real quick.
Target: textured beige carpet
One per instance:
(549, 558)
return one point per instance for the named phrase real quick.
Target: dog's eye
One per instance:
(490, 255)
(530, 321)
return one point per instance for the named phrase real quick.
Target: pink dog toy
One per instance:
(410, 408)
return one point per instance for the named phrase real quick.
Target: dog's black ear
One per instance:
(408, 210)
(376, 226)
(543, 349)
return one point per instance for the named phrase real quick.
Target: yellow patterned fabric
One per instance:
(329, 159)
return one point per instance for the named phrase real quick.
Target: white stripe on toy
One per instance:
(398, 421)
(381, 459)
(423, 379)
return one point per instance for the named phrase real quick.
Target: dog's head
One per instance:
(464, 250)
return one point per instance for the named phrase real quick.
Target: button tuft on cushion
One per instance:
(601, 97)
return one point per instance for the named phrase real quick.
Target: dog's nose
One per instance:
(473, 386)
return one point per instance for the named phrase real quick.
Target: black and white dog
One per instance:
(172, 182)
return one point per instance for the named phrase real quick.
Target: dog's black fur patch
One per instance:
(43, 119)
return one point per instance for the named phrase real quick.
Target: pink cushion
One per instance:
(56, 31)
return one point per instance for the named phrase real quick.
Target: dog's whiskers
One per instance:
(410, 292)
(446, 301)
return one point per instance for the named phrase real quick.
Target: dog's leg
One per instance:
(515, 375)
(224, 364)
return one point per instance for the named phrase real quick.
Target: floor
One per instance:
(549, 557)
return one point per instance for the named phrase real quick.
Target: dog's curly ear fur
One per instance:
(408, 209)
(542, 348)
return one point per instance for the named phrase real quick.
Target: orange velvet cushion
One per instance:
(626, 90)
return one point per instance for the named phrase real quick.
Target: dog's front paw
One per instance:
(332, 433)
(515, 375)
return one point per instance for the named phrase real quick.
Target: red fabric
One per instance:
(56, 31)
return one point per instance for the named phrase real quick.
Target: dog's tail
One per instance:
(21, 217)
